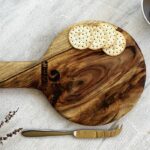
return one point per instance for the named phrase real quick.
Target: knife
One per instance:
(77, 133)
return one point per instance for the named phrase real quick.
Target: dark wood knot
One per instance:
(54, 75)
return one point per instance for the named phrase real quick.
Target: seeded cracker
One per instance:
(99, 38)
(80, 36)
(110, 33)
(118, 47)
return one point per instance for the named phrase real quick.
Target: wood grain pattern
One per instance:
(86, 87)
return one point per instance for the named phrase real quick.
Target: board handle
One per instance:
(38, 75)
(19, 74)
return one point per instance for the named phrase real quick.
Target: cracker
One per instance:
(80, 36)
(110, 31)
(118, 47)
(98, 38)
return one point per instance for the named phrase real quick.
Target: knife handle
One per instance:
(97, 133)
(36, 133)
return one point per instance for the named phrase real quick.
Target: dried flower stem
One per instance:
(8, 117)
(9, 135)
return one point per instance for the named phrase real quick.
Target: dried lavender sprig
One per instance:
(10, 135)
(8, 117)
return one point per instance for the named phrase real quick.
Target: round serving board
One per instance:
(87, 87)
(95, 88)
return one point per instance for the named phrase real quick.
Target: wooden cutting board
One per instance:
(84, 86)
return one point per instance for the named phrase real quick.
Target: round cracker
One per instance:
(110, 31)
(118, 47)
(80, 36)
(98, 38)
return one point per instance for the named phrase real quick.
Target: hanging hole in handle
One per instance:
(54, 75)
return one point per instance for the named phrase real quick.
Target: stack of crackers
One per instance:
(103, 36)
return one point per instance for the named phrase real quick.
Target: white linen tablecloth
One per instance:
(27, 27)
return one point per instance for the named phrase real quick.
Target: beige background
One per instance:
(26, 30)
